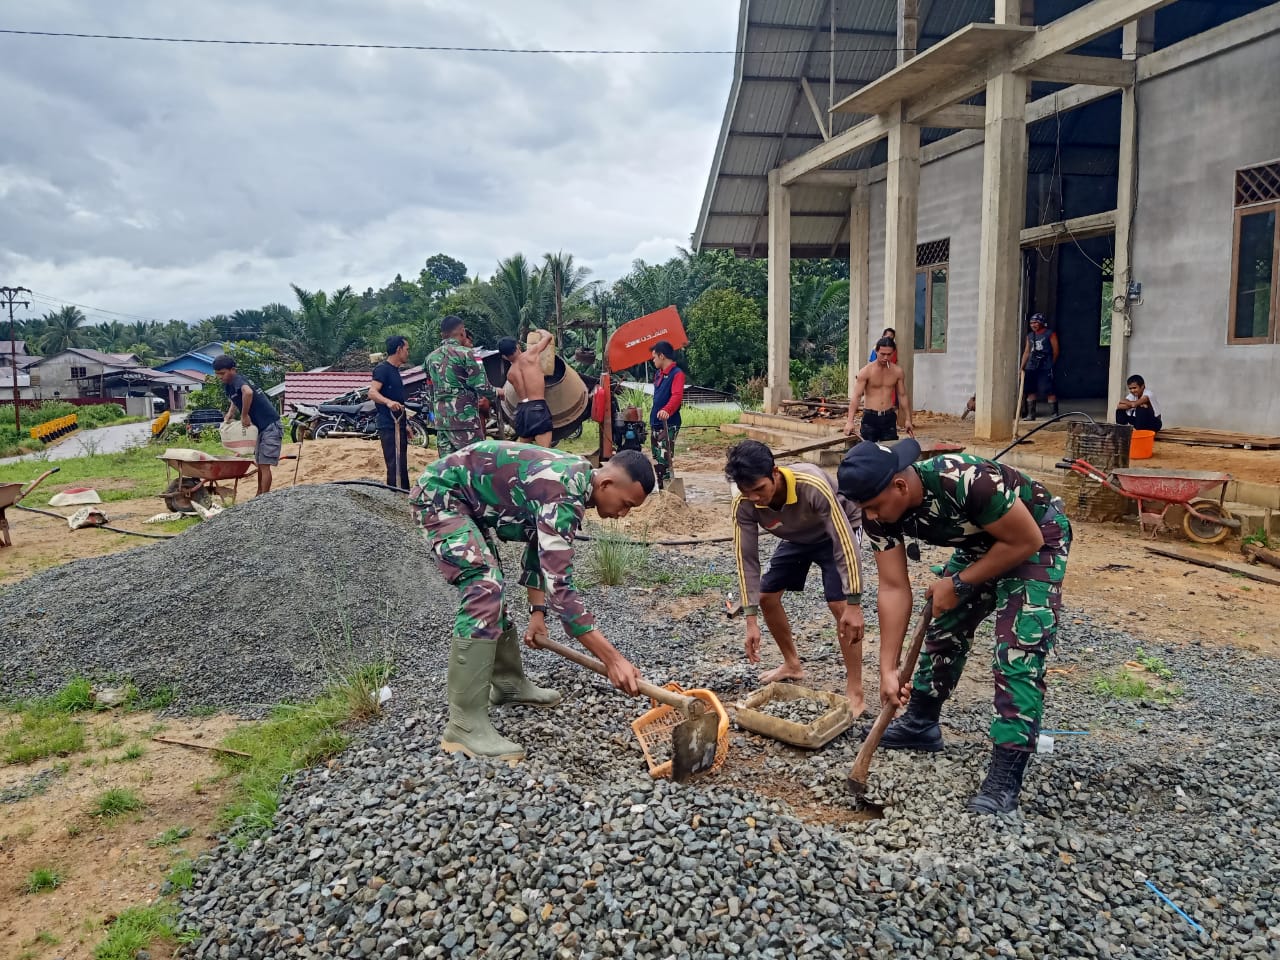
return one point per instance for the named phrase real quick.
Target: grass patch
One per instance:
(40, 735)
(614, 556)
(75, 697)
(74, 830)
(1122, 684)
(115, 803)
(699, 583)
(136, 929)
(182, 876)
(134, 751)
(160, 698)
(110, 737)
(203, 711)
(293, 737)
(1153, 665)
(170, 837)
(47, 938)
(42, 879)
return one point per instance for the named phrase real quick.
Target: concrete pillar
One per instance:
(908, 29)
(859, 276)
(1004, 211)
(1138, 37)
(779, 350)
(902, 189)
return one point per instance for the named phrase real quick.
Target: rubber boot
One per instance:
(1055, 408)
(999, 792)
(509, 684)
(917, 729)
(1031, 409)
(469, 730)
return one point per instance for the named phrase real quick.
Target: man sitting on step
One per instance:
(800, 506)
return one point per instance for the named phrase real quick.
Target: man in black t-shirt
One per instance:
(252, 406)
(387, 391)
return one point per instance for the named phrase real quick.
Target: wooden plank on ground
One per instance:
(1207, 560)
(1205, 436)
(1256, 553)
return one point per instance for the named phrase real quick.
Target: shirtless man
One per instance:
(533, 416)
(878, 382)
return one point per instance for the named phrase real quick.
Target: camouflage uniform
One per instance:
(658, 447)
(455, 384)
(520, 493)
(962, 494)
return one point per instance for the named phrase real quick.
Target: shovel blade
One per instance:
(675, 487)
(693, 746)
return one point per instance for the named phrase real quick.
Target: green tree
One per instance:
(570, 290)
(145, 353)
(446, 271)
(64, 329)
(649, 287)
(820, 320)
(726, 333)
(516, 299)
(326, 326)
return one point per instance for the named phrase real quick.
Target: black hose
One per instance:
(1061, 416)
(364, 483)
(100, 526)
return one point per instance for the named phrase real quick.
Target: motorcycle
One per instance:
(346, 420)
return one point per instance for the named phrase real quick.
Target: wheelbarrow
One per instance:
(198, 479)
(1205, 520)
(10, 494)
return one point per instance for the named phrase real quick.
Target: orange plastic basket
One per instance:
(653, 730)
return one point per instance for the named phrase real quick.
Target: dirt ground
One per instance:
(1112, 577)
(106, 865)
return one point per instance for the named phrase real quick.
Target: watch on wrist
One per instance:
(751, 611)
(537, 608)
(962, 589)
(854, 598)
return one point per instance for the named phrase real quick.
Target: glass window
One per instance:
(931, 310)
(1254, 280)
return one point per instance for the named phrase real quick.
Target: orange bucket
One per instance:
(1142, 444)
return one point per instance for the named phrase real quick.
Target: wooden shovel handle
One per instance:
(648, 689)
(863, 762)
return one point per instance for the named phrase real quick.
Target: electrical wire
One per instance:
(430, 47)
(48, 299)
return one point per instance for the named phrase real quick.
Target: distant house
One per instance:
(324, 385)
(84, 373)
(198, 361)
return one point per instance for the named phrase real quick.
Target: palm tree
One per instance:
(819, 319)
(570, 289)
(516, 299)
(327, 326)
(650, 287)
(176, 339)
(64, 330)
(145, 353)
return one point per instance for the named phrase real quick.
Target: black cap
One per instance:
(869, 467)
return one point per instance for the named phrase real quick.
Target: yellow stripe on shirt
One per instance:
(841, 524)
(737, 550)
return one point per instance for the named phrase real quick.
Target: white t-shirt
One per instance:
(1155, 404)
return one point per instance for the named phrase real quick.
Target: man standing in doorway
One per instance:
(456, 385)
(533, 416)
(386, 389)
(882, 383)
(1011, 539)
(800, 507)
(668, 394)
(252, 406)
(1039, 356)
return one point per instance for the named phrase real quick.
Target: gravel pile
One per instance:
(398, 850)
(258, 605)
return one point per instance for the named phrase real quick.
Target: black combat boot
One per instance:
(1055, 408)
(1031, 409)
(917, 729)
(999, 792)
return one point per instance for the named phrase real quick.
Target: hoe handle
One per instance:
(683, 704)
(862, 765)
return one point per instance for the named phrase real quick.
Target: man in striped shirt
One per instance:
(800, 506)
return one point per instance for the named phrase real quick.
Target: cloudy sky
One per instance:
(179, 180)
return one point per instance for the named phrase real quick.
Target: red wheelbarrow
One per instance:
(1205, 520)
(10, 494)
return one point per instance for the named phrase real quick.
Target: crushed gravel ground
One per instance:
(395, 850)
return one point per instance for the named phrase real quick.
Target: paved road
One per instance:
(100, 440)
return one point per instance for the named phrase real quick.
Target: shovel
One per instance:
(693, 741)
(857, 781)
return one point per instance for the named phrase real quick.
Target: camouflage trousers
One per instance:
(457, 428)
(1026, 603)
(657, 446)
(466, 559)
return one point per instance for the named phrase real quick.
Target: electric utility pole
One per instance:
(9, 297)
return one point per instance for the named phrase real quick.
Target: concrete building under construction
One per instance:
(1114, 164)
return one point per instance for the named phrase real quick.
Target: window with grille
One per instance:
(932, 274)
(1255, 266)
(1108, 302)
(78, 373)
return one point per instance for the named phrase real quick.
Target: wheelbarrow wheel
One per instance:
(180, 493)
(1206, 531)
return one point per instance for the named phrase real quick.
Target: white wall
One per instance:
(950, 207)
(1196, 128)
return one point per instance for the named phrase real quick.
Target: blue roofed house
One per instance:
(198, 361)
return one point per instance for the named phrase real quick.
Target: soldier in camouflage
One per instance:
(1011, 540)
(456, 389)
(525, 494)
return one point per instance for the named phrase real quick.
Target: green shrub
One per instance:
(831, 380)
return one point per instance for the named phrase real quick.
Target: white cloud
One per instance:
(183, 180)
